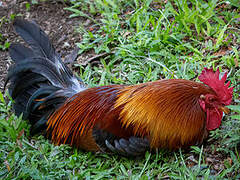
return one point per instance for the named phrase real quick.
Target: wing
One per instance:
(90, 121)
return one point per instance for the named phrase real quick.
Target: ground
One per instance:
(52, 18)
(55, 21)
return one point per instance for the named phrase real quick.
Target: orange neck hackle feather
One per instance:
(165, 111)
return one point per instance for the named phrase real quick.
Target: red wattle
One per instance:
(214, 118)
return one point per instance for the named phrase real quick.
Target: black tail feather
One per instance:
(36, 38)
(37, 65)
(19, 52)
(39, 80)
(40, 124)
(39, 94)
(18, 87)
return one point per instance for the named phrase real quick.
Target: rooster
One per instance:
(127, 120)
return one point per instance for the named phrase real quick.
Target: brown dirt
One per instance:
(52, 18)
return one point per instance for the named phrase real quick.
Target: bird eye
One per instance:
(211, 99)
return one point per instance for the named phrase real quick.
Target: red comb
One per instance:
(211, 78)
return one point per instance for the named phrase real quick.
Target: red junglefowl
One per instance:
(128, 120)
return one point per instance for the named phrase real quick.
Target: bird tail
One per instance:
(39, 80)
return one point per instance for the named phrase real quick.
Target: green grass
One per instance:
(142, 41)
(4, 44)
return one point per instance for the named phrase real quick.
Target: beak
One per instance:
(224, 109)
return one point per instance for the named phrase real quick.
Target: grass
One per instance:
(4, 44)
(141, 41)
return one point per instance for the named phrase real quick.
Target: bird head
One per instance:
(214, 104)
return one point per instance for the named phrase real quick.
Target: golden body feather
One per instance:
(167, 112)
